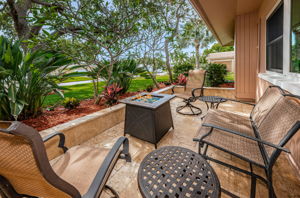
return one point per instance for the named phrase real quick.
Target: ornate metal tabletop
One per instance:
(213, 100)
(177, 172)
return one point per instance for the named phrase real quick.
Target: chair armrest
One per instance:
(62, 138)
(107, 167)
(195, 89)
(245, 136)
(174, 86)
(238, 101)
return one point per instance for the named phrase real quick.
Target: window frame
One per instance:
(271, 14)
(287, 32)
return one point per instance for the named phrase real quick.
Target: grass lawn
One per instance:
(84, 91)
(75, 79)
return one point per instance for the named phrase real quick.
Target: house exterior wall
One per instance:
(246, 48)
(226, 58)
(266, 8)
(250, 43)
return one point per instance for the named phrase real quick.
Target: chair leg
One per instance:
(115, 194)
(125, 152)
(270, 184)
(193, 109)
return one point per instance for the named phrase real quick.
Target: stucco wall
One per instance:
(226, 58)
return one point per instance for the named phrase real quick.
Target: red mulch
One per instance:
(61, 115)
(227, 85)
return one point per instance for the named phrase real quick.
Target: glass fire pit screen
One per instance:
(148, 98)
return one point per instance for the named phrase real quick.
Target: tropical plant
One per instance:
(183, 68)
(197, 33)
(26, 79)
(111, 94)
(182, 79)
(215, 74)
(71, 103)
(123, 73)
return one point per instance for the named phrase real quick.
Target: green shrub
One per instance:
(183, 68)
(215, 74)
(26, 79)
(71, 103)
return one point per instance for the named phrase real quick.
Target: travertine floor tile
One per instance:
(124, 176)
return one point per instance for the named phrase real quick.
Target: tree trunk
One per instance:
(95, 86)
(154, 79)
(110, 71)
(197, 50)
(168, 64)
(151, 75)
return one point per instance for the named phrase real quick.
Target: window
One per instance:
(295, 37)
(275, 41)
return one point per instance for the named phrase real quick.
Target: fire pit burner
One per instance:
(146, 98)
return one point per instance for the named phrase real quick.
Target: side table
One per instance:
(213, 100)
(177, 172)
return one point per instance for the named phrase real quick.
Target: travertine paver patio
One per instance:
(124, 176)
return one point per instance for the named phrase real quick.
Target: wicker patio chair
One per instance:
(25, 171)
(194, 85)
(258, 139)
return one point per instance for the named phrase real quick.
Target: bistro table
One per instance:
(177, 172)
(213, 100)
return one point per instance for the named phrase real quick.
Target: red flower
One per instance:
(182, 79)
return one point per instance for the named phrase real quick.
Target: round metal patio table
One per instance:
(213, 100)
(176, 172)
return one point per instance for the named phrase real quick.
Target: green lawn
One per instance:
(84, 91)
(75, 79)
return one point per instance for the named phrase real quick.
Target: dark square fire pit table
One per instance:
(148, 116)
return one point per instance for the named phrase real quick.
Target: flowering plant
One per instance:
(182, 79)
(111, 93)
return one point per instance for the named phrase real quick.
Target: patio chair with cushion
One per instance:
(25, 170)
(258, 139)
(194, 86)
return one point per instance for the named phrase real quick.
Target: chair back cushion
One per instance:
(279, 121)
(24, 163)
(265, 104)
(195, 79)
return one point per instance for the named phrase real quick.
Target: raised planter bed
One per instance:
(84, 128)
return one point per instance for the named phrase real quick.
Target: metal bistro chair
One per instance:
(195, 83)
(258, 139)
(25, 170)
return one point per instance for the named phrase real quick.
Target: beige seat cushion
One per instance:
(233, 143)
(271, 96)
(79, 166)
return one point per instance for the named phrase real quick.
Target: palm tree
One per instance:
(197, 34)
